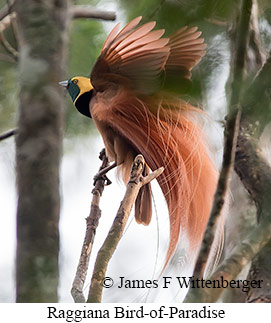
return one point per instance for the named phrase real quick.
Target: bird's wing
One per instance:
(135, 55)
(186, 50)
(139, 56)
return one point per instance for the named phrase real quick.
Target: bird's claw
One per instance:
(103, 177)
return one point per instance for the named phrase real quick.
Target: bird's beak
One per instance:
(63, 83)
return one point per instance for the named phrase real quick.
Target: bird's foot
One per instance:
(103, 177)
(102, 174)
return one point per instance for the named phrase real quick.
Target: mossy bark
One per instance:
(42, 29)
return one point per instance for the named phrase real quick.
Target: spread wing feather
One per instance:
(145, 59)
(186, 50)
(137, 53)
(111, 37)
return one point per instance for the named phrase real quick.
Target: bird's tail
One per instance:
(163, 132)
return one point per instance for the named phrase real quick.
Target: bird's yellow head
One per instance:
(80, 90)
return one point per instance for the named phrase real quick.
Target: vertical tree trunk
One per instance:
(42, 26)
(250, 165)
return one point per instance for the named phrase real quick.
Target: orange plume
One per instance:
(168, 138)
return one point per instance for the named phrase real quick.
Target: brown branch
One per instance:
(115, 233)
(89, 12)
(231, 132)
(92, 222)
(8, 134)
(75, 12)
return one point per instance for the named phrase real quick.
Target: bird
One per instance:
(132, 96)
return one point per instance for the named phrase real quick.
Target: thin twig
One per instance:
(231, 133)
(89, 12)
(8, 134)
(92, 222)
(115, 233)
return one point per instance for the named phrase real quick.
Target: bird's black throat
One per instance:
(82, 103)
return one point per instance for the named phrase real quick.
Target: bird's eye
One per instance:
(75, 81)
